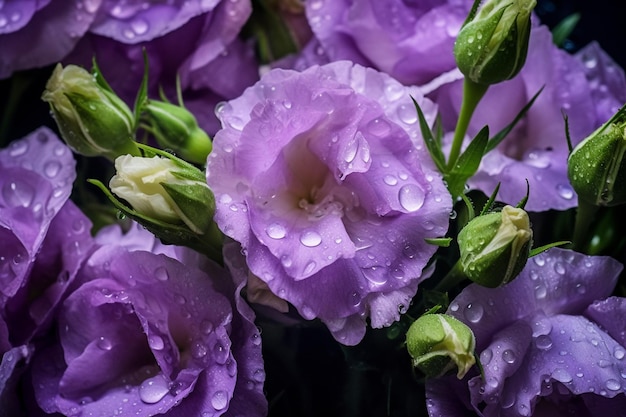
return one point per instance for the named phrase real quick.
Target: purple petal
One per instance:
(12, 365)
(37, 177)
(35, 36)
(611, 315)
(133, 22)
(555, 282)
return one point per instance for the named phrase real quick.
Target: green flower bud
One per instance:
(92, 120)
(495, 247)
(596, 167)
(492, 45)
(162, 189)
(438, 343)
(174, 127)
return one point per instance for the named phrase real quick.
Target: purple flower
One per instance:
(43, 241)
(37, 33)
(145, 334)
(588, 88)
(550, 343)
(317, 176)
(196, 40)
(410, 40)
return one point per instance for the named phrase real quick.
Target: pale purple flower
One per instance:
(44, 239)
(588, 88)
(410, 40)
(196, 40)
(551, 343)
(37, 33)
(322, 178)
(144, 334)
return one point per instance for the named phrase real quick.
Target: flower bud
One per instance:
(438, 343)
(596, 167)
(160, 188)
(174, 127)
(92, 120)
(492, 45)
(495, 247)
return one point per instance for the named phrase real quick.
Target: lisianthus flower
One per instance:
(196, 40)
(37, 33)
(145, 334)
(322, 178)
(588, 88)
(550, 343)
(411, 41)
(44, 238)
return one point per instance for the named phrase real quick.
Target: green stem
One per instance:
(472, 94)
(584, 217)
(453, 278)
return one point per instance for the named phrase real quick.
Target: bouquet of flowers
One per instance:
(309, 207)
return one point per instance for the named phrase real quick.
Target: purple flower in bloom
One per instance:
(37, 33)
(144, 334)
(322, 178)
(43, 241)
(410, 40)
(551, 343)
(196, 40)
(588, 88)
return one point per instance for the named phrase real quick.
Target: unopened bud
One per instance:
(161, 189)
(596, 167)
(439, 343)
(174, 127)
(495, 247)
(92, 120)
(492, 45)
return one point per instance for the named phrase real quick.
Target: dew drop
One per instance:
(161, 274)
(390, 180)
(565, 191)
(485, 356)
(152, 390)
(411, 197)
(219, 400)
(543, 342)
(104, 343)
(559, 268)
(562, 375)
(155, 342)
(509, 356)
(474, 312)
(18, 194)
(376, 275)
(199, 350)
(139, 26)
(618, 353)
(276, 231)
(407, 114)
(540, 292)
(18, 148)
(379, 127)
(310, 239)
(613, 384)
(309, 268)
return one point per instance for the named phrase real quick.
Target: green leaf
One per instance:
(489, 204)
(564, 28)
(468, 163)
(544, 248)
(432, 143)
(524, 200)
(97, 73)
(442, 242)
(499, 137)
(142, 94)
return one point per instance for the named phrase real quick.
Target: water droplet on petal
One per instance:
(485, 356)
(152, 390)
(565, 191)
(276, 231)
(219, 400)
(562, 375)
(411, 197)
(18, 148)
(104, 343)
(407, 114)
(474, 312)
(310, 239)
(155, 342)
(509, 356)
(543, 342)
(18, 194)
(559, 268)
(161, 274)
(139, 26)
(379, 127)
(613, 384)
